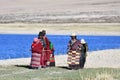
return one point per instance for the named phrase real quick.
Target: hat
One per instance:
(36, 39)
(83, 41)
(43, 30)
(73, 34)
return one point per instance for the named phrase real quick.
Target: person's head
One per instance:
(44, 32)
(83, 41)
(73, 36)
(40, 35)
(35, 40)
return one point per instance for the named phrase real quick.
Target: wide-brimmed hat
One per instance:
(83, 41)
(73, 34)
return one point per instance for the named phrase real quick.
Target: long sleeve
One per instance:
(37, 48)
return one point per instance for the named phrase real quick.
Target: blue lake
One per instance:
(18, 45)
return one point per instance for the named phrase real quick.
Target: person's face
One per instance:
(44, 33)
(73, 37)
(41, 37)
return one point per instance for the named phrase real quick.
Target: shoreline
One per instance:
(95, 59)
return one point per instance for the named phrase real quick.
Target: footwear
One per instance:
(34, 67)
(70, 68)
(43, 66)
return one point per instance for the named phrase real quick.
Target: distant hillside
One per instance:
(60, 11)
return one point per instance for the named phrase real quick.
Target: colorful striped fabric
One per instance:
(35, 60)
(73, 58)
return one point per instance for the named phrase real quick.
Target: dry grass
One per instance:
(22, 72)
(85, 29)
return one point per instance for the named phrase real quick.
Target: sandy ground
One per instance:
(95, 59)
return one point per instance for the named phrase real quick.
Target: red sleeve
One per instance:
(47, 43)
(37, 47)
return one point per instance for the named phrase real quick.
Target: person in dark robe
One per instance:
(52, 58)
(84, 50)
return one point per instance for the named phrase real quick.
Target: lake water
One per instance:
(18, 45)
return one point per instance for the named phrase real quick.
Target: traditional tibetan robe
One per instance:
(36, 49)
(47, 50)
(74, 53)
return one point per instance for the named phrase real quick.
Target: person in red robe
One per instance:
(47, 49)
(36, 49)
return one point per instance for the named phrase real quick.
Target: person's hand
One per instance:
(50, 55)
(48, 62)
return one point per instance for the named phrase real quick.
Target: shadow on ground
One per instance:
(29, 67)
(64, 67)
(24, 66)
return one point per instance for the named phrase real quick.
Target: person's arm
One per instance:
(86, 45)
(68, 47)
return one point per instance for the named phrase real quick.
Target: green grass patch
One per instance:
(22, 72)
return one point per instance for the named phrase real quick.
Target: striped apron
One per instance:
(35, 60)
(73, 58)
